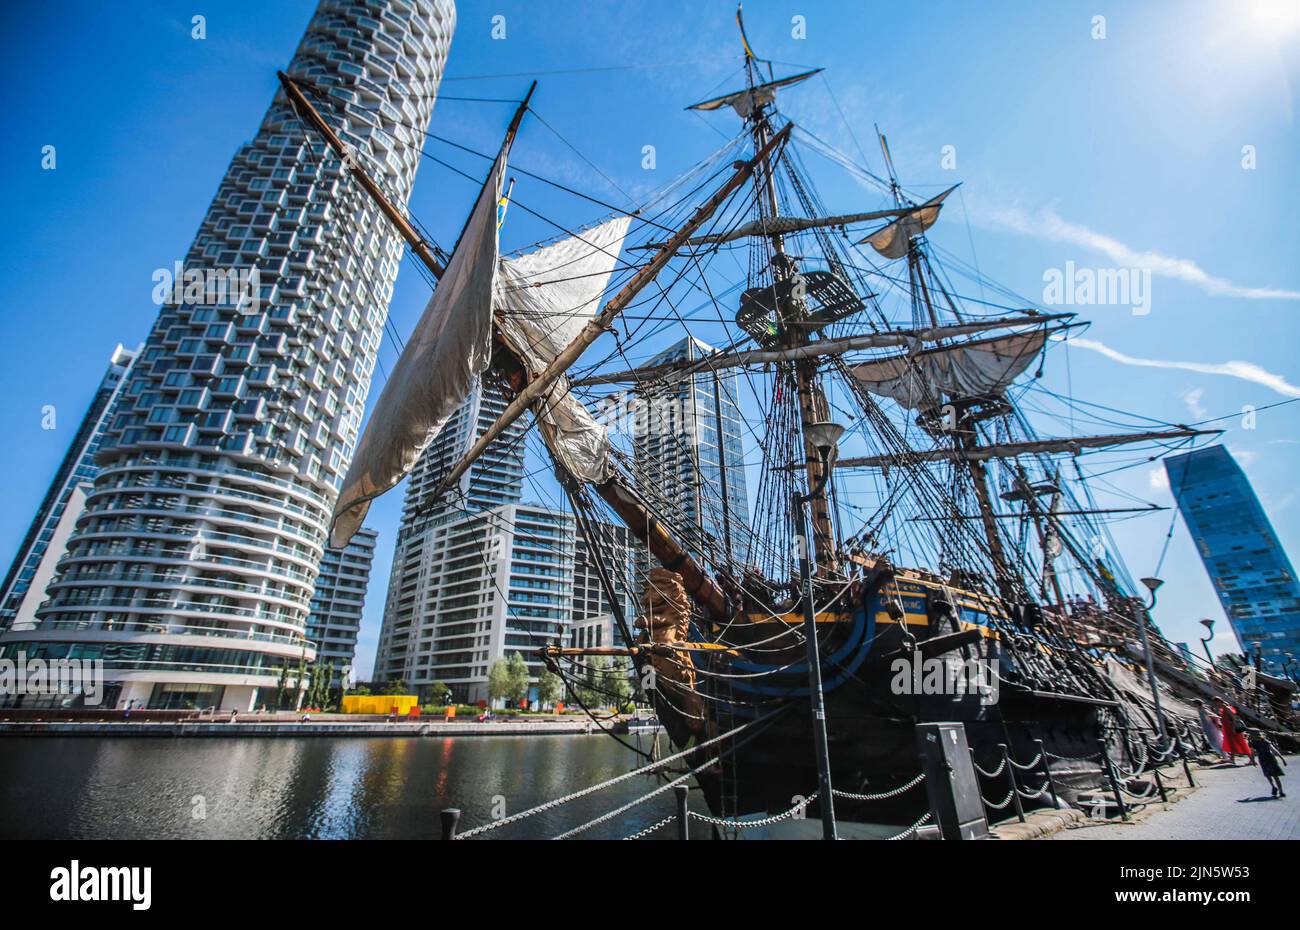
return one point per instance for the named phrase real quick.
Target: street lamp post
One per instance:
(1152, 585)
(823, 437)
(1205, 642)
(1259, 655)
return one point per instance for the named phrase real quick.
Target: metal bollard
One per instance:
(1187, 769)
(1011, 777)
(683, 813)
(1110, 775)
(1155, 770)
(450, 817)
(1047, 773)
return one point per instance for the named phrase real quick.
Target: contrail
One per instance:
(1246, 371)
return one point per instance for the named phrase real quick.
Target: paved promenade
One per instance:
(1228, 804)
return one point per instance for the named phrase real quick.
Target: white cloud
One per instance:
(1246, 371)
(1048, 225)
(1158, 479)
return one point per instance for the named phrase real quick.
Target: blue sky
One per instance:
(1117, 151)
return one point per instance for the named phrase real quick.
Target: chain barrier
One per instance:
(755, 824)
(993, 774)
(1095, 756)
(642, 834)
(1003, 803)
(910, 830)
(882, 796)
(1030, 766)
(1032, 795)
(550, 805)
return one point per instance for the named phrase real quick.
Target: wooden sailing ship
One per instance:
(977, 551)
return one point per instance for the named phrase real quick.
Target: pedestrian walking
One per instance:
(1212, 729)
(1234, 733)
(1271, 761)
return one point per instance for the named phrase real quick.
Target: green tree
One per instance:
(550, 688)
(282, 685)
(499, 680)
(439, 693)
(617, 682)
(519, 678)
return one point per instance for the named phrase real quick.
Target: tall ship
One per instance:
(912, 548)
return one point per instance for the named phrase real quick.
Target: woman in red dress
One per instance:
(1234, 740)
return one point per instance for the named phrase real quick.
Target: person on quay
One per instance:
(1234, 733)
(1271, 761)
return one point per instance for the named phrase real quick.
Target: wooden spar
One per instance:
(1054, 513)
(419, 245)
(1009, 449)
(599, 324)
(621, 499)
(898, 337)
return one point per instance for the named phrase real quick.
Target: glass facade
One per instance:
(680, 458)
(1247, 564)
(339, 599)
(78, 467)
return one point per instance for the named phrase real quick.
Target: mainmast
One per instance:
(812, 399)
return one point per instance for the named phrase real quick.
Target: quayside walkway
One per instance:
(1229, 803)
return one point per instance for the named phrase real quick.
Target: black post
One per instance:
(1011, 777)
(825, 796)
(450, 817)
(1155, 770)
(1187, 769)
(1047, 773)
(683, 813)
(1110, 775)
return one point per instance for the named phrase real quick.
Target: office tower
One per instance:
(681, 464)
(592, 620)
(1245, 561)
(472, 589)
(191, 571)
(338, 600)
(78, 467)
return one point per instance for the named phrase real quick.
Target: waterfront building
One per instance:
(472, 589)
(191, 569)
(338, 600)
(591, 619)
(1245, 560)
(19, 594)
(682, 459)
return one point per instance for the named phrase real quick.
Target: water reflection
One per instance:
(319, 788)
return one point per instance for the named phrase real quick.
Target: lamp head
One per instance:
(823, 436)
(1209, 625)
(1152, 584)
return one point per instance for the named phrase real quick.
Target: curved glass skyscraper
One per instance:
(191, 570)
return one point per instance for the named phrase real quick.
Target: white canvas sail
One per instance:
(450, 347)
(544, 298)
(973, 369)
(891, 241)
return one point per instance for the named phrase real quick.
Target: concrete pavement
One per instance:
(1228, 804)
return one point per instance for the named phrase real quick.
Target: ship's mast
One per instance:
(812, 399)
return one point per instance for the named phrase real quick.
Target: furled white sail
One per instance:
(744, 102)
(891, 241)
(972, 369)
(544, 298)
(450, 347)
